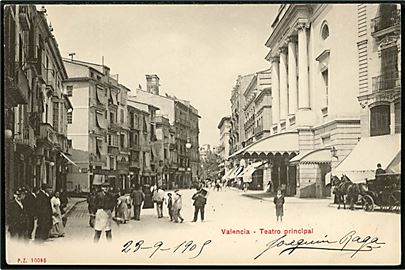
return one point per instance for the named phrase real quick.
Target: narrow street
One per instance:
(227, 209)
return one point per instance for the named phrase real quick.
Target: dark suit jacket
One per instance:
(44, 210)
(137, 197)
(30, 205)
(17, 218)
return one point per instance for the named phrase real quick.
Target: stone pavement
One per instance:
(73, 201)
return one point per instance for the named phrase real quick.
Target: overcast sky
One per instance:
(197, 50)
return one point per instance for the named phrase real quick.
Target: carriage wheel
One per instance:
(368, 203)
(394, 202)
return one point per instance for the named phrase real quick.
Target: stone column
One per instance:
(303, 81)
(292, 76)
(283, 84)
(275, 90)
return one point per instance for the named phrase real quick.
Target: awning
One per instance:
(101, 123)
(247, 174)
(317, 156)
(277, 143)
(395, 165)
(239, 174)
(235, 173)
(99, 146)
(226, 176)
(100, 92)
(114, 98)
(362, 162)
(68, 159)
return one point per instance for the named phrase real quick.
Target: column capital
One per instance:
(282, 50)
(292, 39)
(302, 25)
(275, 59)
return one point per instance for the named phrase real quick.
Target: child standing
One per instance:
(169, 205)
(279, 202)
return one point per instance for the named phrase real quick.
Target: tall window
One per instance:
(325, 76)
(122, 116)
(69, 117)
(389, 68)
(122, 140)
(55, 117)
(380, 120)
(112, 117)
(69, 90)
(398, 117)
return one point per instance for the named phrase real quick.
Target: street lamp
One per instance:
(51, 163)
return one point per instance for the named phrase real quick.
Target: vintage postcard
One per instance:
(202, 134)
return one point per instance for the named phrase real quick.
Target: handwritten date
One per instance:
(186, 247)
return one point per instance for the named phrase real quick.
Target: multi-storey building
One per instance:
(183, 118)
(315, 115)
(379, 95)
(223, 148)
(98, 126)
(35, 105)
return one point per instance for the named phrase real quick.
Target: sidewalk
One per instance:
(72, 203)
(266, 196)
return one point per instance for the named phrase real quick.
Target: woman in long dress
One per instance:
(57, 227)
(123, 213)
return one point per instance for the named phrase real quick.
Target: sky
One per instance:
(197, 50)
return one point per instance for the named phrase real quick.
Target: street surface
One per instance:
(167, 242)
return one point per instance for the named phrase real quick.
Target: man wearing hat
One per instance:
(44, 212)
(104, 204)
(17, 218)
(200, 200)
(30, 206)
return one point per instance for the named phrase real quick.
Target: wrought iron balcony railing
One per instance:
(386, 81)
(383, 22)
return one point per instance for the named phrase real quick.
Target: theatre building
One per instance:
(314, 89)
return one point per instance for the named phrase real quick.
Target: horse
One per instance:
(345, 187)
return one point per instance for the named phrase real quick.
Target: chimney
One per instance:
(152, 84)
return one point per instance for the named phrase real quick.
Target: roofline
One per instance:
(222, 120)
(143, 103)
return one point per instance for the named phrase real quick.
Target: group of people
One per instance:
(37, 214)
(103, 202)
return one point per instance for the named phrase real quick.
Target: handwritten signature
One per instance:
(350, 242)
(185, 247)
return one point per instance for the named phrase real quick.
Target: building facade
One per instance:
(314, 109)
(184, 163)
(35, 105)
(379, 93)
(99, 126)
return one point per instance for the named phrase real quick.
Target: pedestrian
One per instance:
(105, 203)
(123, 212)
(200, 200)
(170, 205)
(217, 185)
(138, 197)
(177, 205)
(44, 213)
(91, 206)
(63, 197)
(17, 217)
(158, 198)
(279, 202)
(30, 205)
(57, 223)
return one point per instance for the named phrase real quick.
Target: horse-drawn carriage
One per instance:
(384, 191)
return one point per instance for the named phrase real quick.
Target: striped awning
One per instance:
(318, 156)
(226, 176)
(247, 174)
(236, 173)
(286, 142)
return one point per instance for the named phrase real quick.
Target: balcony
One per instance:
(47, 135)
(135, 147)
(383, 25)
(25, 138)
(17, 87)
(50, 80)
(123, 165)
(114, 126)
(113, 150)
(386, 82)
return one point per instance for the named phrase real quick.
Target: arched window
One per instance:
(325, 31)
(380, 120)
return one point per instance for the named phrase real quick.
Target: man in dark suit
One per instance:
(30, 206)
(138, 197)
(44, 212)
(17, 218)
(200, 200)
